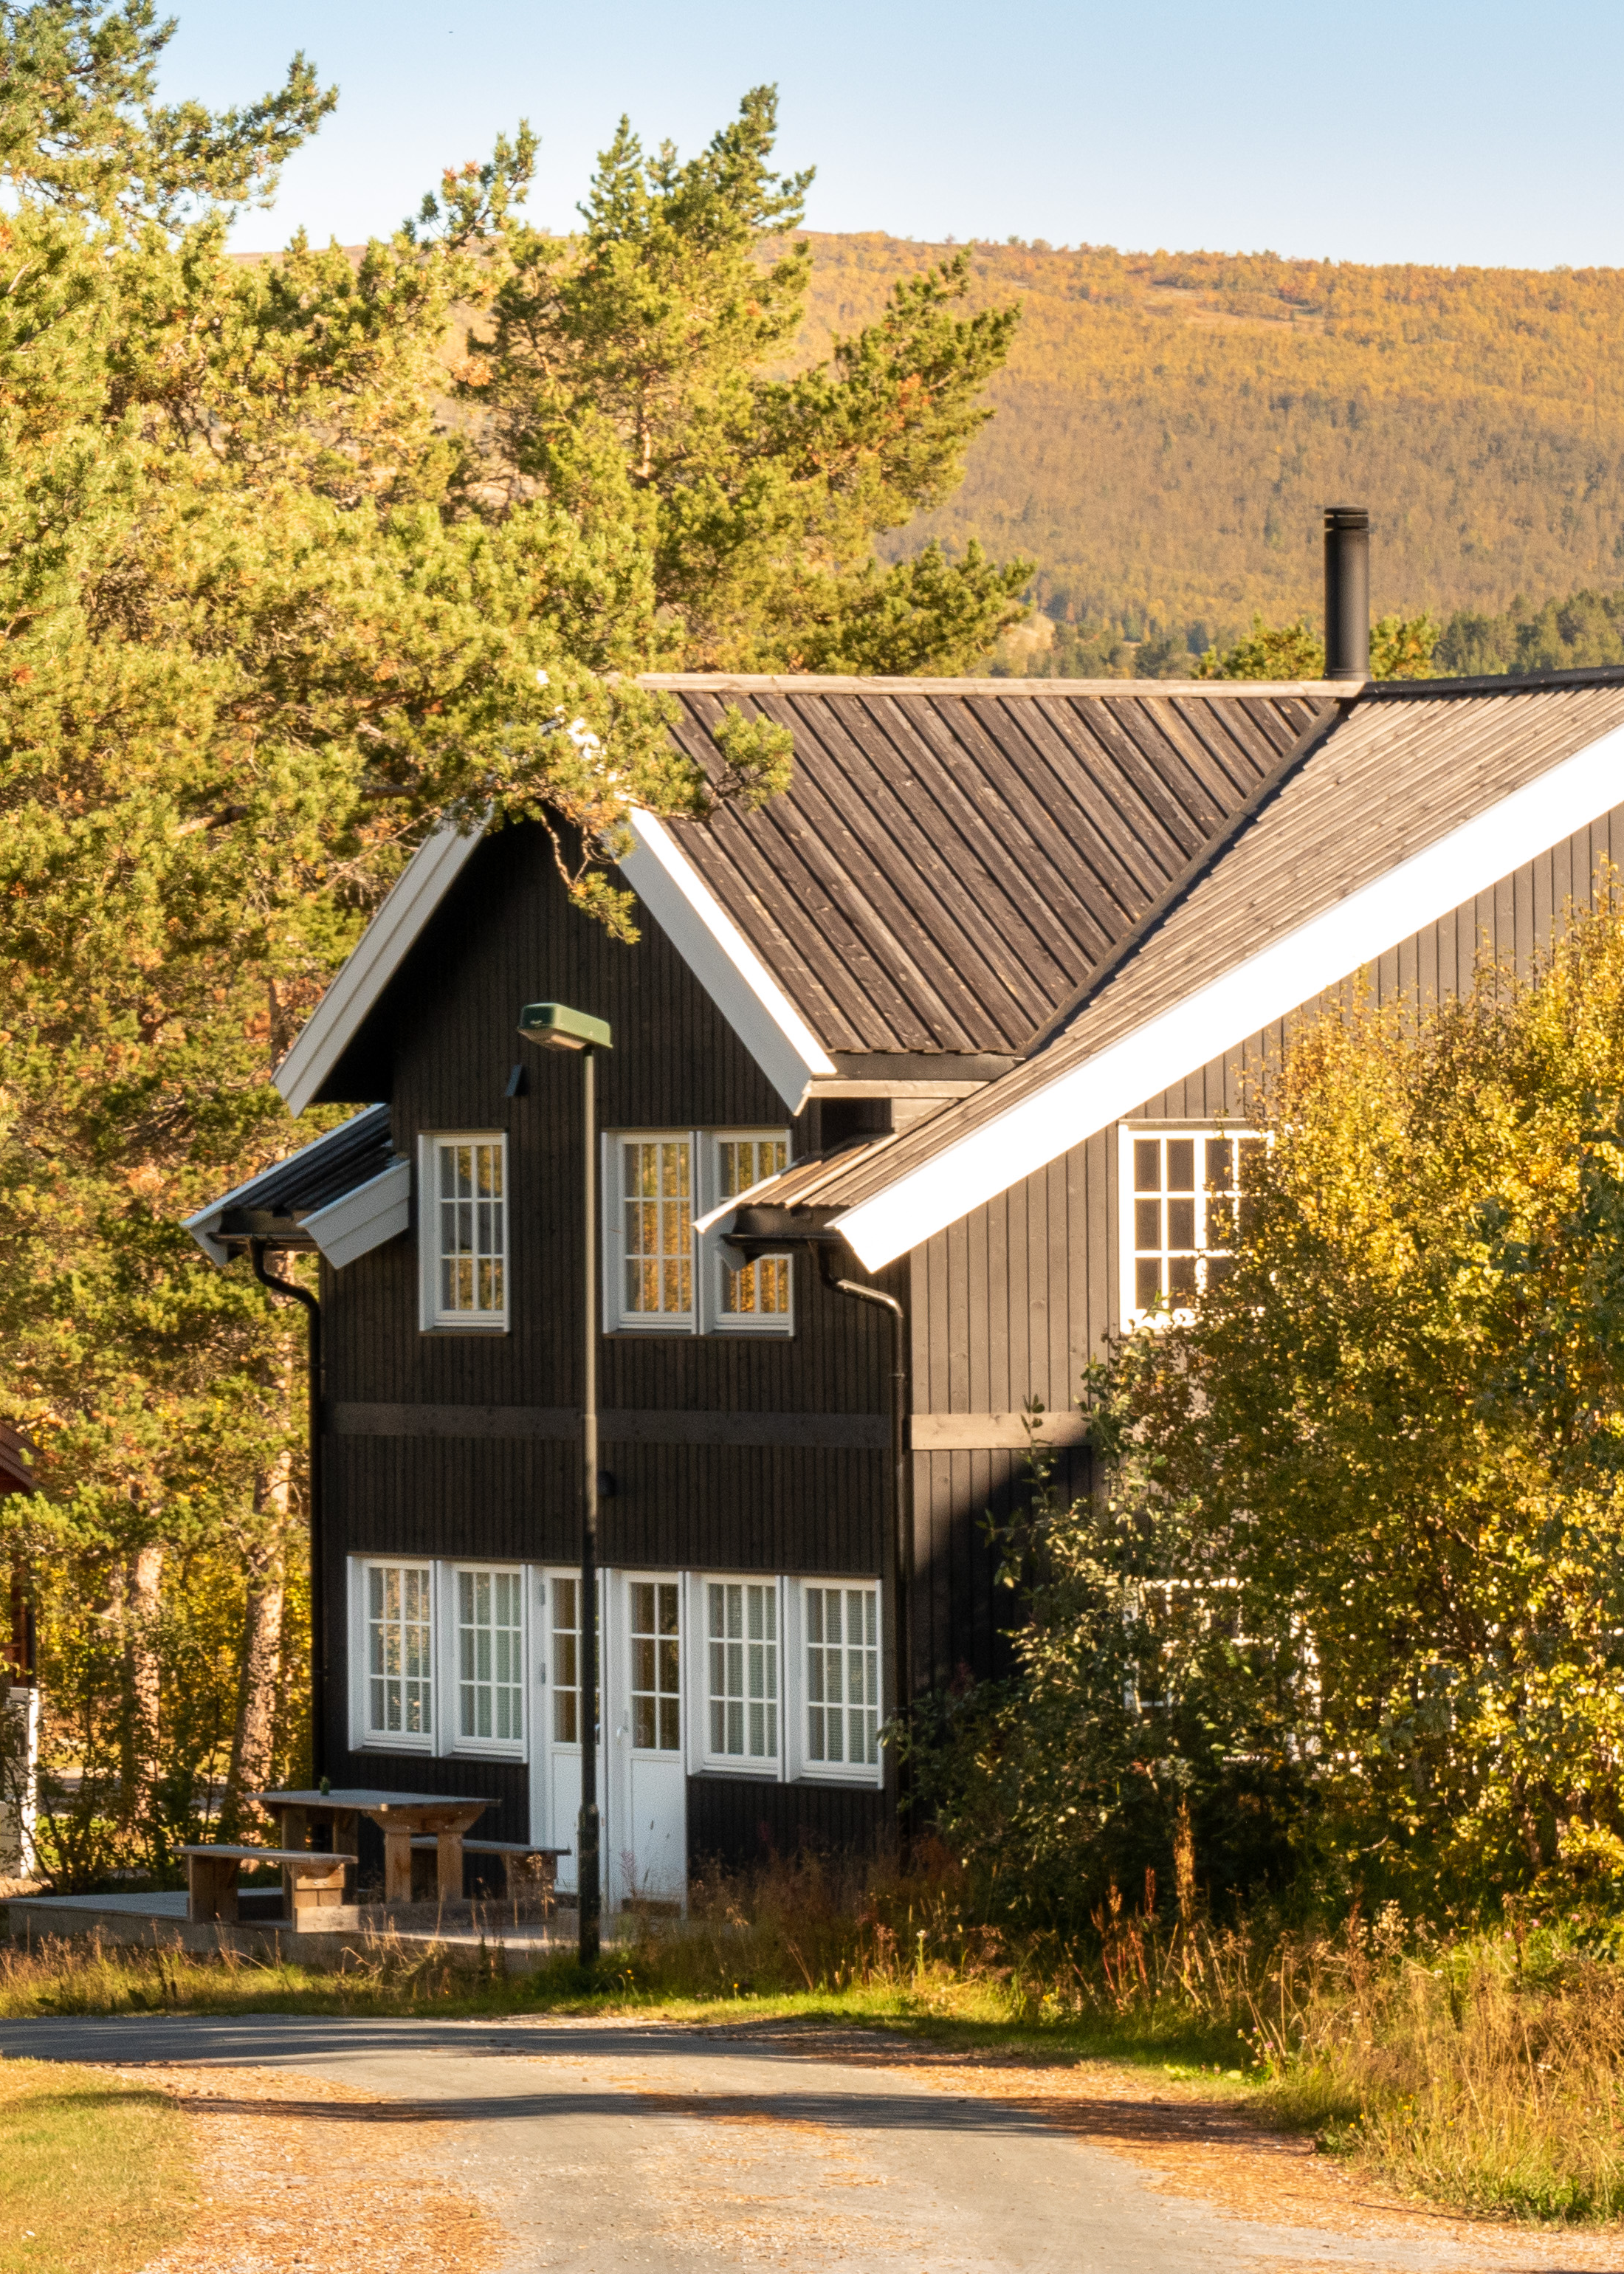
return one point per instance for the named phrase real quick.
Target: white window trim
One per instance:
(705, 1315)
(790, 1765)
(363, 1737)
(432, 1320)
(708, 1260)
(625, 1579)
(545, 1577)
(696, 1674)
(448, 1670)
(802, 1770)
(1132, 1316)
(617, 1319)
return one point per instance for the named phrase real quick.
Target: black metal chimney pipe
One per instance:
(1347, 592)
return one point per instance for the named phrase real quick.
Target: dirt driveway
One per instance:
(599, 2147)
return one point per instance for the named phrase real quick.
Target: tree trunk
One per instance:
(252, 1741)
(141, 1680)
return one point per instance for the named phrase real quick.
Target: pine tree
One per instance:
(634, 374)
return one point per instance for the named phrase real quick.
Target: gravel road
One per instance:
(606, 2147)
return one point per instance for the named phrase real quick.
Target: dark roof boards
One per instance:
(951, 860)
(1420, 798)
(954, 856)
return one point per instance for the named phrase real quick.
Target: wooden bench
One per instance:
(516, 1855)
(316, 1881)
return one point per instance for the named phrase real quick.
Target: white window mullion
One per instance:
(649, 1230)
(741, 1699)
(840, 1666)
(1182, 1208)
(463, 1230)
(483, 1683)
(758, 1298)
(396, 1674)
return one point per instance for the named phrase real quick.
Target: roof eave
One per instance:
(726, 965)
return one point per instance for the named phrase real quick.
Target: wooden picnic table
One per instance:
(399, 1815)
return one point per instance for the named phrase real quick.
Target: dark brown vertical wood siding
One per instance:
(447, 1029)
(1016, 1297)
(735, 1822)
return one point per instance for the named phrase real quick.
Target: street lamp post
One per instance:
(556, 1028)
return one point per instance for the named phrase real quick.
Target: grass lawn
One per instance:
(95, 2175)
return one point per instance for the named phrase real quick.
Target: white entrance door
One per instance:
(647, 1779)
(555, 1753)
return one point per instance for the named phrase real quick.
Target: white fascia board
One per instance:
(724, 962)
(360, 1221)
(382, 947)
(1253, 994)
(202, 1227)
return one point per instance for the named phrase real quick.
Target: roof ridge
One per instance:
(1133, 690)
(1200, 862)
(1123, 690)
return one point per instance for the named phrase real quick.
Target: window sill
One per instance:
(473, 1327)
(757, 1772)
(470, 1749)
(423, 1747)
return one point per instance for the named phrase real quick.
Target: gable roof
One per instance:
(1425, 795)
(954, 856)
(951, 861)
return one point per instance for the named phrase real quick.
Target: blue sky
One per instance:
(1463, 131)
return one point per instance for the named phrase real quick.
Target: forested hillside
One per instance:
(1170, 423)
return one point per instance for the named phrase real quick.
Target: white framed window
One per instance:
(1183, 1206)
(840, 1654)
(742, 1704)
(655, 1635)
(564, 1657)
(463, 1230)
(396, 1625)
(759, 1298)
(649, 1248)
(486, 1616)
(660, 1276)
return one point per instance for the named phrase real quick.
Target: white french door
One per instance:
(555, 1750)
(645, 1765)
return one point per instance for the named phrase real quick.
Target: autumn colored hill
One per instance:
(1170, 424)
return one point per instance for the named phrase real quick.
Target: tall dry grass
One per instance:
(1485, 2071)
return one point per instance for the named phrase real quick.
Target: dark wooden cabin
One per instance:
(965, 1015)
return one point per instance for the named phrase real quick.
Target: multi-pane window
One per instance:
(490, 1656)
(843, 1676)
(660, 1274)
(657, 1230)
(760, 1292)
(742, 1660)
(565, 1595)
(466, 1231)
(1185, 1210)
(656, 1676)
(400, 1650)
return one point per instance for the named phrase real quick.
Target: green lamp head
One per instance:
(555, 1027)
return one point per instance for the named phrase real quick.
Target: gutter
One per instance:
(317, 1545)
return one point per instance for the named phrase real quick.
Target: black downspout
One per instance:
(901, 1556)
(318, 1567)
